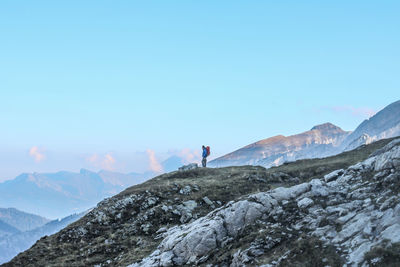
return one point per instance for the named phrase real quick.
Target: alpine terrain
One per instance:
(69, 192)
(384, 124)
(20, 220)
(18, 241)
(321, 141)
(343, 209)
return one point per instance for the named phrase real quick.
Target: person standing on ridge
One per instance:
(206, 153)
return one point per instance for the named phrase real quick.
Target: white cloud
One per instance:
(363, 112)
(187, 154)
(93, 158)
(37, 154)
(154, 165)
(105, 162)
(108, 162)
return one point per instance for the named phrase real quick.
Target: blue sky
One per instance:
(119, 84)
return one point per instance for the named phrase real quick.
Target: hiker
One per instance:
(206, 153)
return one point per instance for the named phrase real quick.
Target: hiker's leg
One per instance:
(203, 162)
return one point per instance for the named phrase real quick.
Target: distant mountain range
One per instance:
(321, 141)
(6, 229)
(19, 220)
(16, 241)
(56, 195)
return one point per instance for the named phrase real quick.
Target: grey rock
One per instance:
(333, 175)
(188, 167)
(208, 201)
(318, 188)
(305, 203)
(186, 190)
(283, 193)
(192, 242)
(185, 210)
(385, 160)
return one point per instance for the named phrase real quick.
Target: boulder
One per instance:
(190, 166)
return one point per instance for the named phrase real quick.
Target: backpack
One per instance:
(208, 151)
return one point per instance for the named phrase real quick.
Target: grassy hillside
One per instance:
(229, 183)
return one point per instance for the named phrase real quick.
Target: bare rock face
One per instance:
(348, 210)
(192, 243)
(390, 158)
(364, 139)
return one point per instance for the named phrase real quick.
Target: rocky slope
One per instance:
(350, 214)
(18, 241)
(321, 141)
(317, 212)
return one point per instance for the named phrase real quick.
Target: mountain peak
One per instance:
(86, 172)
(326, 127)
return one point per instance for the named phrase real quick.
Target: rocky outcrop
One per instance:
(354, 211)
(187, 167)
(364, 139)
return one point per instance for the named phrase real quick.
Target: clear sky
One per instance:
(119, 84)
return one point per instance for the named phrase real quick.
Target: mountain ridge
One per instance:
(323, 137)
(322, 140)
(22, 221)
(70, 192)
(384, 124)
(12, 244)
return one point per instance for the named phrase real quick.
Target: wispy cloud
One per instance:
(105, 162)
(108, 162)
(37, 154)
(154, 164)
(187, 154)
(363, 112)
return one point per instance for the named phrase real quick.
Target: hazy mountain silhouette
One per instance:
(12, 244)
(22, 221)
(56, 195)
